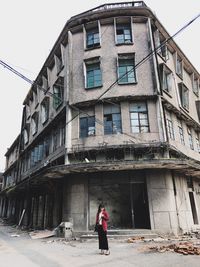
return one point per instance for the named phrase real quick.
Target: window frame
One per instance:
(87, 126)
(122, 23)
(34, 122)
(58, 100)
(139, 118)
(126, 57)
(45, 110)
(195, 88)
(190, 139)
(111, 115)
(179, 66)
(184, 96)
(90, 62)
(94, 28)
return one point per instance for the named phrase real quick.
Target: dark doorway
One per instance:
(139, 206)
(193, 207)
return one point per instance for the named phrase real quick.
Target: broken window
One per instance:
(166, 78)
(184, 95)
(45, 110)
(179, 66)
(93, 73)
(139, 117)
(190, 140)
(123, 31)
(87, 126)
(112, 119)
(181, 133)
(34, 123)
(58, 89)
(126, 69)
(92, 37)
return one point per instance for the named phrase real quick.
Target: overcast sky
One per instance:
(29, 30)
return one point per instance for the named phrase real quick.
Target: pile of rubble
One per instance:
(185, 248)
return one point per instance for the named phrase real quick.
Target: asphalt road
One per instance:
(22, 251)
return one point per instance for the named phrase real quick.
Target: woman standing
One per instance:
(101, 220)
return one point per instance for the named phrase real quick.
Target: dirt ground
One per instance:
(18, 249)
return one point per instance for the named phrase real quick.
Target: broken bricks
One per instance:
(184, 248)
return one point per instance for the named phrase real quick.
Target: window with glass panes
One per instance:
(58, 89)
(184, 95)
(170, 127)
(123, 33)
(126, 69)
(45, 110)
(34, 123)
(197, 142)
(139, 117)
(92, 39)
(179, 66)
(87, 126)
(190, 140)
(167, 79)
(181, 134)
(112, 119)
(93, 75)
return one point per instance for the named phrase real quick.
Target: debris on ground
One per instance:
(15, 235)
(41, 234)
(135, 238)
(185, 248)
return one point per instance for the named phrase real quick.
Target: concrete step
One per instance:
(120, 234)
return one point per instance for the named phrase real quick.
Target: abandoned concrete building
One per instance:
(113, 117)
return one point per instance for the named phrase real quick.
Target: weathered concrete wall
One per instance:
(75, 202)
(162, 204)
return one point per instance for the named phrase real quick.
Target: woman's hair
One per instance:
(100, 207)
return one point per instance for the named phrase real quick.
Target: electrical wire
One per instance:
(7, 66)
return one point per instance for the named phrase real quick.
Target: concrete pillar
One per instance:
(162, 206)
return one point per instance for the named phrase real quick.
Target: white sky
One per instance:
(29, 30)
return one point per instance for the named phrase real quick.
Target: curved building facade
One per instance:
(113, 117)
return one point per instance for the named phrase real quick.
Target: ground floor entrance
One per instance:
(125, 198)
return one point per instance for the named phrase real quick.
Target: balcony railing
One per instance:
(106, 7)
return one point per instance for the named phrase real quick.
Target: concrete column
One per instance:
(162, 206)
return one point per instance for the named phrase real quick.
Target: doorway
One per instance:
(139, 206)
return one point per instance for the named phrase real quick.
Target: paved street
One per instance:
(50, 252)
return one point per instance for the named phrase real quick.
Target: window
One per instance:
(58, 90)
(28, 111)
(166, 78)
(93, 73)
(139, 117)
(170, 127)
(123, 32)
(181, 134)
(190, 140)
(195, 85)
(126, 69)
(87, 126)
(47, 146)
(197, 142)
(92, 38)
(35, 95)
(45, 84)
(198, 108)
(26, 136)
(179, 66)
(112, 119)
(34, 123)
(58, 61)
(161, 45)
(62, 129)
(184, 95)
(56, 140)
(45, 110)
